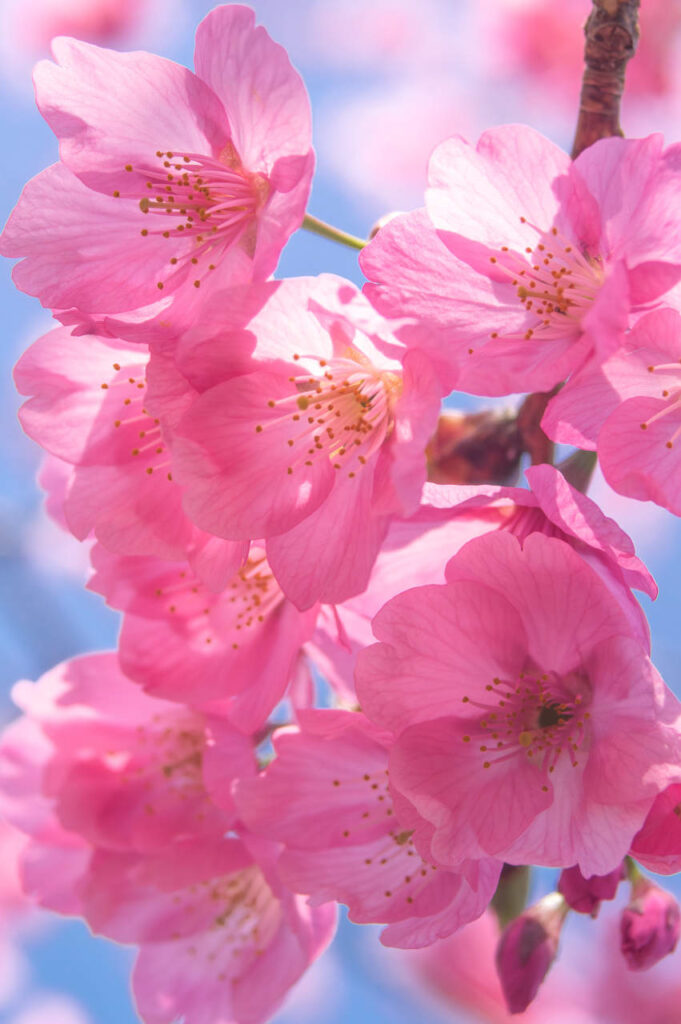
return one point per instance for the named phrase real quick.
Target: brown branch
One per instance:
(611, 34)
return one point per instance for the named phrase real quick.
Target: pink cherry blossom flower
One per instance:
(531, 725)
(128, 802)
(525, 264)
(650, 925)
(220, 937)
(629, 410)
(586, 894)
(256, 935)
(122, 768)
(658, 844)
(169, 180)
(326, 796)
(234, 650)
(317, 446)
(90, 408)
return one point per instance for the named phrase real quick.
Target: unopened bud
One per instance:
(526, 950)
(585, 894)
(650, 925)
(382, 221)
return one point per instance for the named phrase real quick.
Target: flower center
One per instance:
(180, 753)
(126, 401)
(245, 604)
(202, 204)
(249, 914)
(554, 281)
(540, 716)
(342, 412)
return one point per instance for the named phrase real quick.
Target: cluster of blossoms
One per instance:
(246, 458)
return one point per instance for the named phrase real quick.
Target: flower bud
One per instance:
(527, 948)
(650, 925)
(585, 894)
(382, 221)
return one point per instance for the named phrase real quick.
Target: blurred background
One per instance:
(388, 79)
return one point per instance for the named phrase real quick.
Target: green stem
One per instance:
(319, 227)
(633, 873)
(510, 898)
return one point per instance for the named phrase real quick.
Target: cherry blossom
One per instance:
(314, 449)
(127, 800)
(90, 408)
(340, 677)
(525, 264)
(515, 690)
(168, 180)
(327, 797)
(234, 650)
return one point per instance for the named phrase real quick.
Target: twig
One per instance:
(611, 33)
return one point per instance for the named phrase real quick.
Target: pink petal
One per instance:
(83, 248)
(223, 461)
(131, 514)
(266, 102)
(620, 174)
(658, 844)
(450, 297)
(511, 172)
(329, 555)
(75, 407)
(575, 415)
(321, 808)
(475, 813)
(644, 464)
(440, 642)
(467, 905)
(110, 109)
(580, 517)
(564, 606)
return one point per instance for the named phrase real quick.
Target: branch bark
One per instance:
(611, 33)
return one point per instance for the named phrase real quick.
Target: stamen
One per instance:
(208, 196)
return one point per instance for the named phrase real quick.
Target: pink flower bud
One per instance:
(650, 926)
(526, 950)
(585, 894)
